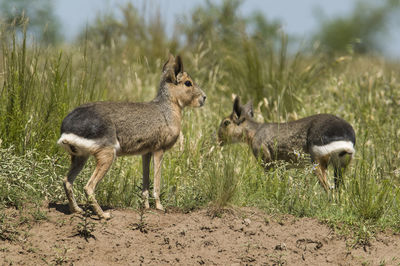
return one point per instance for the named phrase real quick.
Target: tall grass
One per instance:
(40, 85)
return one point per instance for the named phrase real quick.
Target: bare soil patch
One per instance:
(242, 236)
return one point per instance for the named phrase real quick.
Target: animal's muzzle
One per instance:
(202, 100)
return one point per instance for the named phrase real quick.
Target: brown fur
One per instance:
(109, 129)
(285, 141)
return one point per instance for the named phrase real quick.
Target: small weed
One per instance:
(38, 214)
(4, 249)
(31, 250)
(218, 211)
(278, 259)
(61, 222)
(7, 229)
(61, 257)
(141, 225)
(363, 237)
(86, 227)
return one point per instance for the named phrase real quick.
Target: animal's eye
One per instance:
(226, 122)
(188, 83)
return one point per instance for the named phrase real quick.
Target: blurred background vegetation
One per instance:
(119, 57)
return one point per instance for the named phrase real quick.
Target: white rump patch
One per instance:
(333, 147)
(81, 146)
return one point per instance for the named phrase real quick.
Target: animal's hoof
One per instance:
(159, 207)
(76, 209)
(106, 216)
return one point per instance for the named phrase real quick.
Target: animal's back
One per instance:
(144, 127)
(85, 121)
(135, 128)
(327, 128)
(285, 140)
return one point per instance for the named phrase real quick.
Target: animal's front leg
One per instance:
(158, 156)
(146, 158)
(264, 155)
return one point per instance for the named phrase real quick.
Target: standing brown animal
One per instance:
(326, 138)
(110, 129)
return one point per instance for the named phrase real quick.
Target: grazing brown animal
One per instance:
(326, 138)
(110, 129)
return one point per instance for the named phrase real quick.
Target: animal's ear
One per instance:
(171, 68)
(237, 110)
(170, 62)
(248, 109)
(178, 65)
(237, 113)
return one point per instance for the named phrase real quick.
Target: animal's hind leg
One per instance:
(105, 158)
(320, 171)
(340, 163)
(338, 176)
(77, 163)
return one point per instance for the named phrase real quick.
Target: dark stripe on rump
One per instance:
(85, 122)
(328, 131)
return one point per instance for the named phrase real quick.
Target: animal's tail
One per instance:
(74, 145)
(340, 152)
(340, 147)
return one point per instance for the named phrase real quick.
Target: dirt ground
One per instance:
(242, 236)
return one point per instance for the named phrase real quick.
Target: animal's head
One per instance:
(232, 128)
(182, 90)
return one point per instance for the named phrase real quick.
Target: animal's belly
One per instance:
(296, 156)
(145, 144)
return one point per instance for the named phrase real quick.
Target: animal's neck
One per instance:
(162, 92)
(164, 95)
(172, 111)
(250, 130)
(176, 112)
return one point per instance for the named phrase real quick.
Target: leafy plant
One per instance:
(85, 226)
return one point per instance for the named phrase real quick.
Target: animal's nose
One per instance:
(202, 100)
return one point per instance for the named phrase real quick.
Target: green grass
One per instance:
(41, 85)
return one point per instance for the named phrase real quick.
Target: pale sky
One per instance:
(297, 16)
